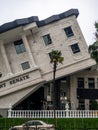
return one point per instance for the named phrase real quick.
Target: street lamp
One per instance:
(65, 102)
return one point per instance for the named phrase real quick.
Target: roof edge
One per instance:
(21, 22)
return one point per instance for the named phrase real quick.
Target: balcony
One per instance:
(86, 93)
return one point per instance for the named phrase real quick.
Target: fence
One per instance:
(52, 113)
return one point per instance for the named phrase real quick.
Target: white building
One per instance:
(25, 68)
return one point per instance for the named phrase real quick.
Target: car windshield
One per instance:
(33, 123)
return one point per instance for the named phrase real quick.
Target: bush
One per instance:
(94, 105)
(62, 124)
(1, 116)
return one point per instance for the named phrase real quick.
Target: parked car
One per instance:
(34, 125)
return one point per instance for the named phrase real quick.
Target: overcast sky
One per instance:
(16, 9)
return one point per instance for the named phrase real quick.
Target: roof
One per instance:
(21, 22)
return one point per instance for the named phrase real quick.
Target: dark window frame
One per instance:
(75, 48)
(81, 104)
(48, 90)
(25, 65)
(68, 31)
(47, 39)
(19, 46)
(80, 82)
(91, 83)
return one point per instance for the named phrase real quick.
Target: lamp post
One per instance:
(67, 108)
(66, 104)
(64, 101)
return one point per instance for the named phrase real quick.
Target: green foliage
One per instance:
(93, 50)
(96, 25)
(62, 123)
(0, 116)
(56, 56)
(94, 105)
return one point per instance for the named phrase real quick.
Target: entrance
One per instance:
(32, 102)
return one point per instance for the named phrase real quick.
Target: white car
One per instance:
(34, 125)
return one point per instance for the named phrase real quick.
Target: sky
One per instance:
(11, 10)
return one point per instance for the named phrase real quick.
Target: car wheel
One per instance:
(25, 128)
(13, 128)
(42, 129)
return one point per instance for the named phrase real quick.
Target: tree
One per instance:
(56, 57)
(93, 105)
(93, 49)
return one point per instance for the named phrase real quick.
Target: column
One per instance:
(3, 52)
(87, 104)
(28, 51)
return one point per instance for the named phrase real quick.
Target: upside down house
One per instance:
(26, 73)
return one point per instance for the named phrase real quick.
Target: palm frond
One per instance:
(56, 56)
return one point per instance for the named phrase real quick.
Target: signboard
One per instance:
(15, 80)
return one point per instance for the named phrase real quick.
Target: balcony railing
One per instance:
(87, 93)
(50, 113)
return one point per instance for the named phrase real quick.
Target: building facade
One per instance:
(26, 73)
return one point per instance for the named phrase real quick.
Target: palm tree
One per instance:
(56, 57)
(93, 49)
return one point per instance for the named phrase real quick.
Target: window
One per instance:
(47, 39)
(91, 83)
(33, 123)
(19, 46)
(81, 103)
(25, 65)
(75, 48)
(80, 82)
(48, 90)
(69, 31)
